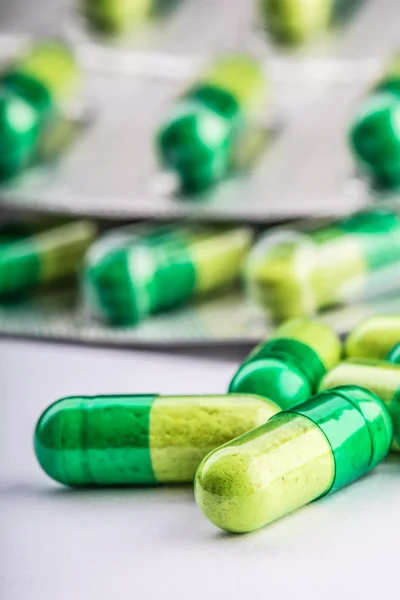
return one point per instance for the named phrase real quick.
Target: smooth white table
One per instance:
(60, 544)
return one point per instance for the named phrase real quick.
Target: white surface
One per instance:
(58, 544)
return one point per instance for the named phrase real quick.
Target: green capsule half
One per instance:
(380, 377)
(209, 123)
(373, 337)
(130, 275)
(374, 134)
(28, 259)
(297, 457)
(293, 273)
(288, 368)
(32, 88)
(134, 440)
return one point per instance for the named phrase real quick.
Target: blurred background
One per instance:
(179, 172)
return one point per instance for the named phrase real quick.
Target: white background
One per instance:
(60, 544)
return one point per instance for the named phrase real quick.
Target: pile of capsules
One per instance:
(295, 425)
(212, 133)
(133, 272)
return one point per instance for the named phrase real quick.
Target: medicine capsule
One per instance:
(130, 275)
(298, 456)
(294, 273)
(374, 135)
(380, 377)
(288, 368)
(208, 125)
(28, 259)
(115, 17)
(129, 440)
(296, 22)
(32, 89)
(373, 337)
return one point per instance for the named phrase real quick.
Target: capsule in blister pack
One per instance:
(33, 88)
(130, 275)
(116, 17)
(204, 138)
(373, 337)
(293, 273)
(133, 440)
(375, 130)
(299, 456)
(380, 377)
(296, 22)
(29, 258)
(288, 368)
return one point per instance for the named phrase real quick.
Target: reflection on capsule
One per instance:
(294, 273)
(210, 122)
(298, 456)
(299, 21)
(375, 130)
(30, 256)
(378, 376)
(130, 275)
(373, 337)
(288, 368)
(129, 440)
(32, 88)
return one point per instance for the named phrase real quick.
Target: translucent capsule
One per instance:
(296, 22)
(29, 258)
(32, 88)
(129, 440)
(211, 122)
(130, 275)
(298, 456)
(294, 273)
(288, 368)
(375, 130)
(379, 377)
(115, 17)
(373, 337)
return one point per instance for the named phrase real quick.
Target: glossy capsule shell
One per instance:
(206, 130)
(298, 456)
(380, 377)
(373, 337)
(130, 275)
(374, 134)
(29, 258)
(289, 366)
(133, 440)
(296, 22)
(33, 87)
(291, 273)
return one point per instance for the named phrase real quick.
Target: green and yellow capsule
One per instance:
(115, 17)
(373, 337)
(32, 89)
(203, 136)
(380, 377)
(131, 275)
(374, 134)
(291, 274)
(289, 367)
(29, 259)
(299, 456)
(296, 22)
(134, 440)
